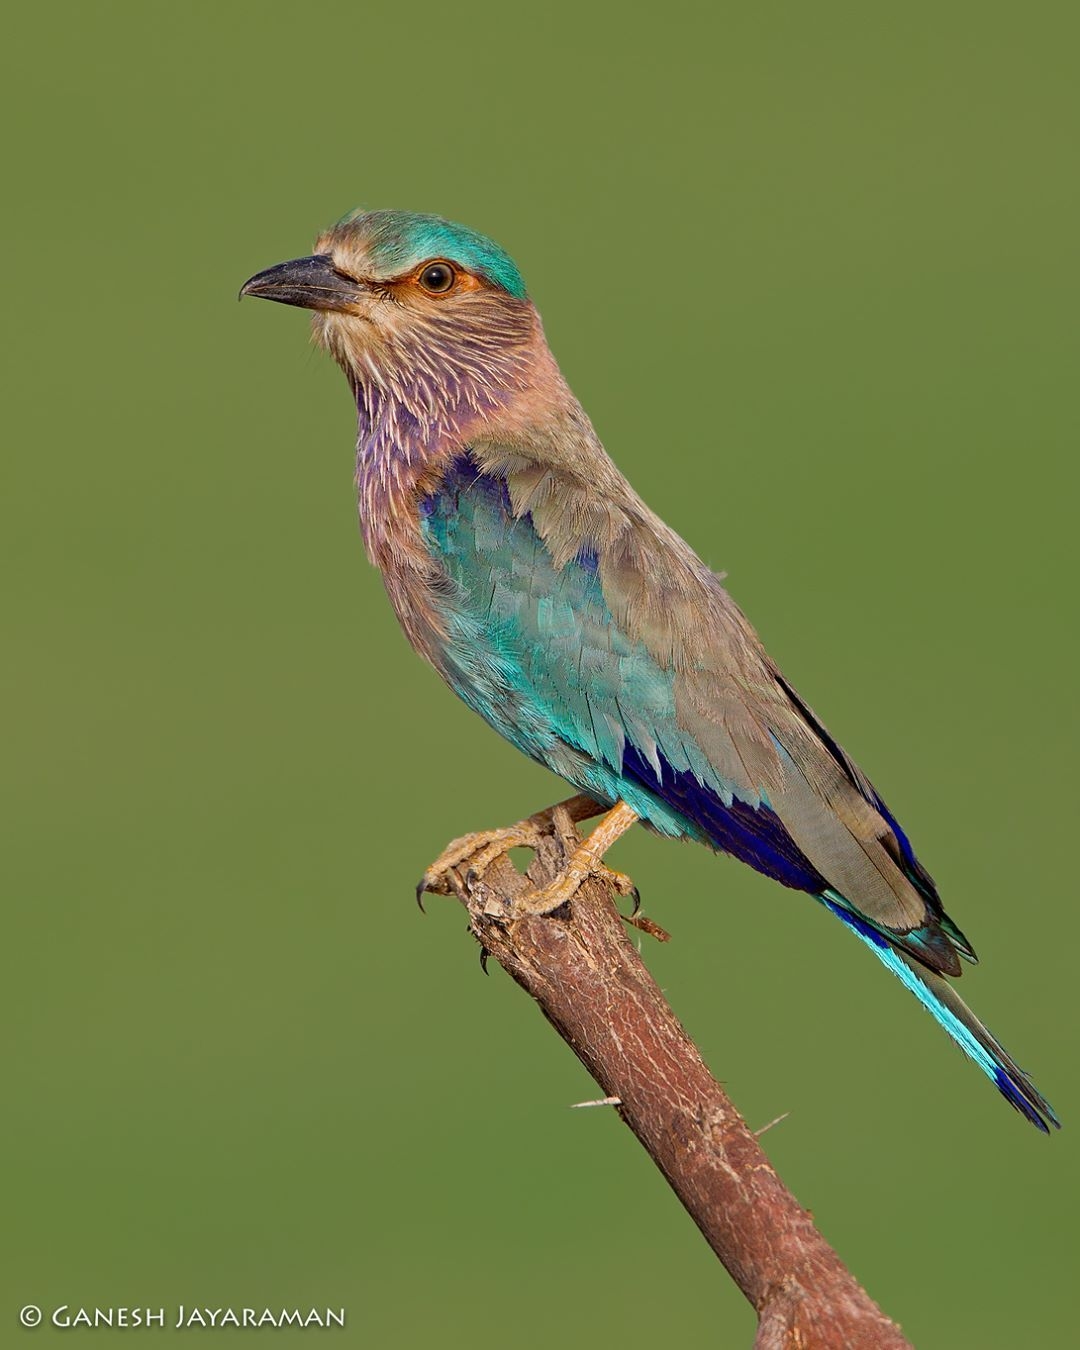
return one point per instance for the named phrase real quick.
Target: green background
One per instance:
(811, 269)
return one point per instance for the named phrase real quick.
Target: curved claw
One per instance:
(421, 891)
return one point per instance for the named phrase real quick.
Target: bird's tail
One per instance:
(946, 1006)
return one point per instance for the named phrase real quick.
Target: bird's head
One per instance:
(429, 311)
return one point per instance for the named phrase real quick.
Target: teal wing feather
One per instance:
(533, 647)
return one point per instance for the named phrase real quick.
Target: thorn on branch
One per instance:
(644, 925)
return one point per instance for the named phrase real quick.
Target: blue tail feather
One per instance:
(950, 1011)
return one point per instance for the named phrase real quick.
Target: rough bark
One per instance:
(591, 985)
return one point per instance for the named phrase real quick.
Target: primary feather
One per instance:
(573, 620)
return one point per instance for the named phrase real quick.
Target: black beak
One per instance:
(310, 283)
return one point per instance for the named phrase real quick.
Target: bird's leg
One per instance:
(585, 861)
(474, 853)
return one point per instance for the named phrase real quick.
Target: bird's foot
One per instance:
(473, 854)
(579, 869)
(463, 863)
(585, 863)
(468, 858)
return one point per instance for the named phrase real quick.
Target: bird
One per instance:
(524, 567)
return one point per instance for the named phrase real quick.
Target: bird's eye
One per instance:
(437, 278)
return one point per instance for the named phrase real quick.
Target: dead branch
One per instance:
(593, 988)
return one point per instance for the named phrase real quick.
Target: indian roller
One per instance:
(524, 567)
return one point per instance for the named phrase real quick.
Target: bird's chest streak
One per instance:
(412, 422)
(404, 448)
